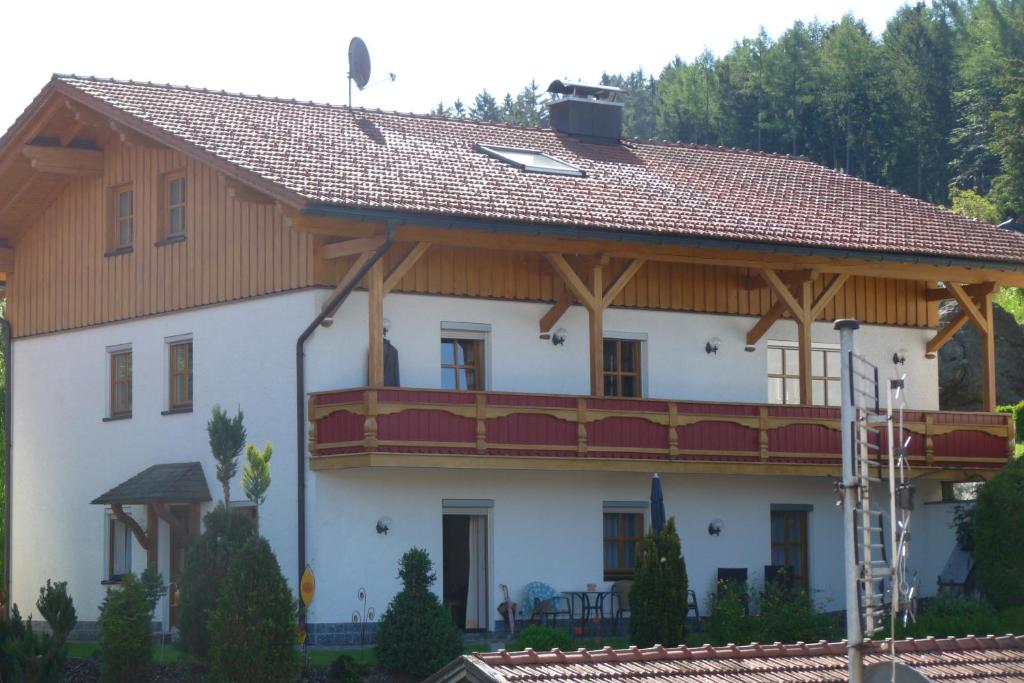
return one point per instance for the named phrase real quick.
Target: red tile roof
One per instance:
(421, 164)
(988, 659)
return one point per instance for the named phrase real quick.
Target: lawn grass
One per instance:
(161, 653)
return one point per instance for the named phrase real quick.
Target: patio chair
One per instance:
(542, 603)
(620, 602)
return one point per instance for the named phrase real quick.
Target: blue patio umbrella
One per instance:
(657, 504)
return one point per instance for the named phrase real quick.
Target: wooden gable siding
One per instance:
(232, 249)
(526, 276)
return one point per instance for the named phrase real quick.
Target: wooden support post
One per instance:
(597, 333)
(581, 426)
(153, 534)
(370, 423)
(804, 341)
(481, 423)
(762, 432)
(375, 358)
(988, 356)
(673, 430)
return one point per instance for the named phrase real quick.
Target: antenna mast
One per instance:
(867, 566)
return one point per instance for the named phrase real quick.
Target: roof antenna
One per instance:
(358, 66)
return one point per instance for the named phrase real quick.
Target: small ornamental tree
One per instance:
(125, 633)
(252, 631)
(28, 655)
(227, 437)
(658, 597)
(416, 635)
(999, 536)
(209, 557)
(256, 473)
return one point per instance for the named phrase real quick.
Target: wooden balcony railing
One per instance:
(419, 427)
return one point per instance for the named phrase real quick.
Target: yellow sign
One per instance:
(307, 586)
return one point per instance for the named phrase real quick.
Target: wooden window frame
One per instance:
(114, 382)
(619, 373)
(114, 218)
(480, 367)
(165, 207)
(795, 374)
(617, 573)
(173, 374)
(803, 543)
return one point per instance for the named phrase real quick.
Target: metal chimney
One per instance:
(587, 112)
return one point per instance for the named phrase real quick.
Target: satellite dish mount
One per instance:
(358, 66)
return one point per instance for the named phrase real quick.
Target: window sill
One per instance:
(115, 418)
(170, 239)
(177, 411)
(115, 581)
(118, 251)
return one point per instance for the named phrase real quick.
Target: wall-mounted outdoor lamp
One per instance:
(384, 525)
(712, 345)
(716, 527)
(899, 357)
(559, 336)
(387, 326)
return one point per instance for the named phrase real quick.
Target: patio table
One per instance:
(591, 605)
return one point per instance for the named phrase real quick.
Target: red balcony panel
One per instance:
(427, 426)
(531, 400)
(334, 397)
(340, 426)
(500, 425)
(531, 428)
(739, 409)
(626, 432)
(805, 438)
(967, 445)
(718, 436)
(426, 396)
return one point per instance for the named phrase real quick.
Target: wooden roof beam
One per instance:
(828, 294)
(944, 293)
(405, 265)
(555, 313)
(794, 307)
(350, 247)
(968, 306)
(345, 281)
(65, 160)
(790, 277)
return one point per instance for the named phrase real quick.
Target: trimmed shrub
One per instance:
(1017, 410)
(999, 536)
(658, 596)
(542, 639)
(125, 633)
(790, 617)
(26, 655)
(253, 629)
(416, 635)
(226, 532)
(345, 669)
(949, 614)
(729, 621)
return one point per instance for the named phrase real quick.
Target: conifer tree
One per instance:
(658, 596)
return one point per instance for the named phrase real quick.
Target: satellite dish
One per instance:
(358, 62)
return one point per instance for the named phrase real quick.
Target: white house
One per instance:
(566, 313)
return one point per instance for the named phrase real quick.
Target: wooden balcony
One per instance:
(493, 430)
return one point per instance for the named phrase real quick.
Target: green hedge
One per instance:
(1017, 410)
(999, 536)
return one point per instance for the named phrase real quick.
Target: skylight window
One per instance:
(530, 160)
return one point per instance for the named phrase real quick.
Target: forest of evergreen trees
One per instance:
(933, 107)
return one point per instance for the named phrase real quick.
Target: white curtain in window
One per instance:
(122, 541)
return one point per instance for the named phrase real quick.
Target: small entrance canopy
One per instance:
(182, 482)
(158, 487)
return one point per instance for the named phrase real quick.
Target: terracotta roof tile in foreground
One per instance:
(988, 659)
(427, 165)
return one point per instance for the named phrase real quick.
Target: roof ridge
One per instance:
(733, 651)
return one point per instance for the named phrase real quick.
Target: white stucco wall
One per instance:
(547, 526)
(676, 364)
(65, 455)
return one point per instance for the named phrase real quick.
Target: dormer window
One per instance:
(530, 160)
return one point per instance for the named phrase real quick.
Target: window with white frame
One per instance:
(784, 374)
(464, 356)
(119, 549)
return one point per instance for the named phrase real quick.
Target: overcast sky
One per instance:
(438, 50)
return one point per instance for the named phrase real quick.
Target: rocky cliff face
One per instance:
(960, 362)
